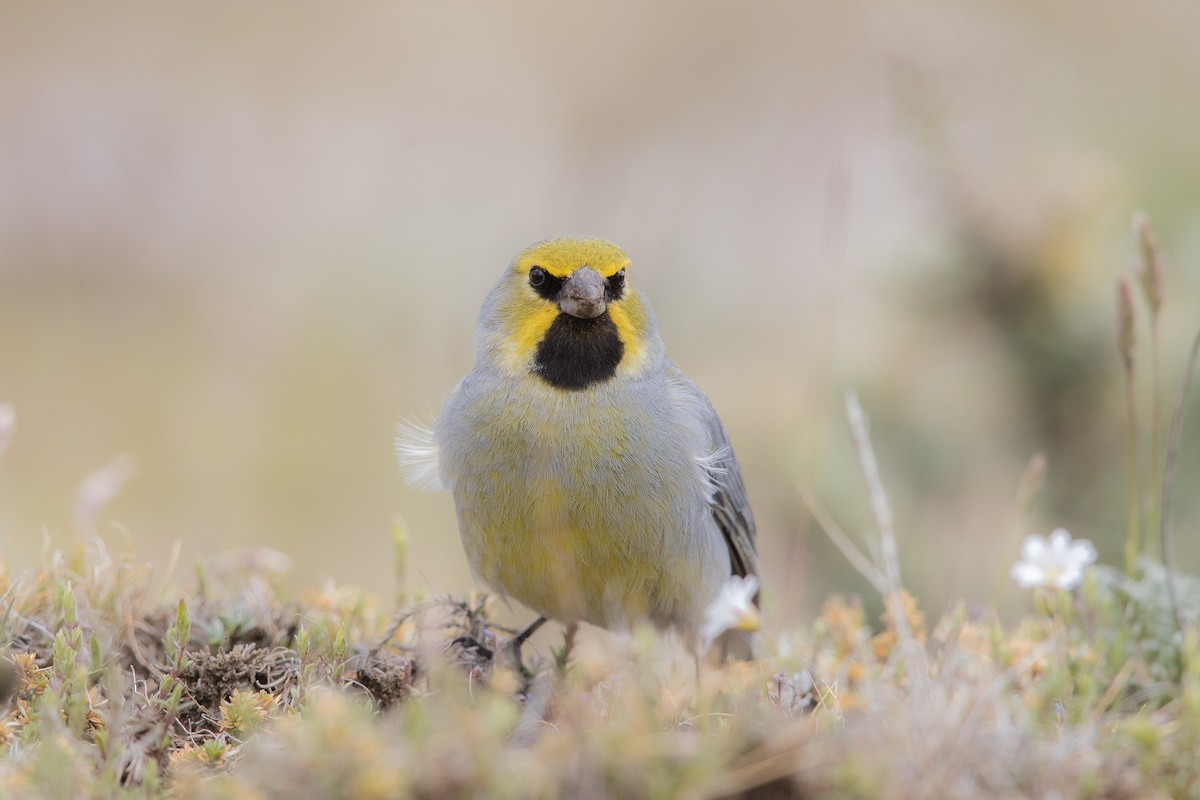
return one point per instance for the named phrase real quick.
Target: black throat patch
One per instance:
(576, 353)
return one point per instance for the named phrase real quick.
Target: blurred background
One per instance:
(238, 243)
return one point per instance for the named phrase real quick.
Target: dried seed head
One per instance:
(1126, 336)
(1149, 268)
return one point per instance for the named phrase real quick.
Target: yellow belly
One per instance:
(562, 550)
(579, 524)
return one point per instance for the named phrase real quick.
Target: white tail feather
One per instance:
(417, 454)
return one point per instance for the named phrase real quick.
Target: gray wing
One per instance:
(729, 506)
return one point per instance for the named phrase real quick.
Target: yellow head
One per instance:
(565, 312)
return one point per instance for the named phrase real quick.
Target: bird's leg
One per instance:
(562, 656)
(519, 640)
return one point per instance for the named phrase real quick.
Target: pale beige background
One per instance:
(238, 242)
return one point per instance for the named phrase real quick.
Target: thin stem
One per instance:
(851, 551)
(1133, 526)
(882, 509)
(1168, 545)
(1154, 511)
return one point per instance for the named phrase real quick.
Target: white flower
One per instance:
(99, 489)
(8, 424)
(732, 609)
(1058, 562)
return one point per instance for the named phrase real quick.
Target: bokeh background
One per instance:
(239, 242)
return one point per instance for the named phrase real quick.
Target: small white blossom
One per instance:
(99, 489)
(8, 424)
(732, 609)
(1058, 562)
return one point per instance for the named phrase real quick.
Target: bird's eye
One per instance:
(537, 276)
(615, 286)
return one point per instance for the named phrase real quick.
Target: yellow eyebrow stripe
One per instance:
(561, 257)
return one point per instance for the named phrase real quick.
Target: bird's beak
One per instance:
(582, 294)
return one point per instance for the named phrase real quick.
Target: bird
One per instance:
(592, 479)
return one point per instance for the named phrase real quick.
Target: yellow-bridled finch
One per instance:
(593, 481)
